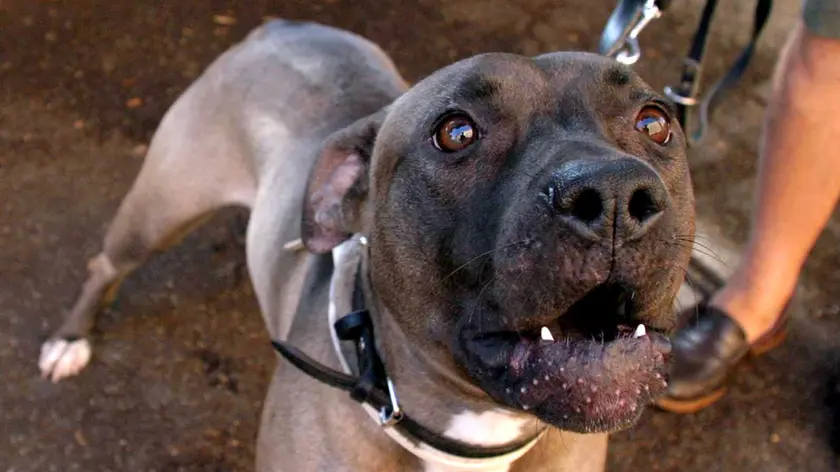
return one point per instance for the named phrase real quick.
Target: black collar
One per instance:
(374, 387)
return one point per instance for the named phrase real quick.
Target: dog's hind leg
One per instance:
(184, 179)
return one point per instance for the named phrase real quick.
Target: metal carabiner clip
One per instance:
(630, 52)
(389, 416)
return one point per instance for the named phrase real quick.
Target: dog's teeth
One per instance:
(640, 331)
(545, 334)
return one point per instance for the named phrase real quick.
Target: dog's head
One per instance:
(506, 196)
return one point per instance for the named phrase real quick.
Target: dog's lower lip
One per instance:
(595, 382)
(580, 384)
(593, 367)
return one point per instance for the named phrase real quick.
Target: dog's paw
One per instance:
(61, 358)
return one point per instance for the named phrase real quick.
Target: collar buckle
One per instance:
(391, 415)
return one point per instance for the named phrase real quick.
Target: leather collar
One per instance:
(374, 389)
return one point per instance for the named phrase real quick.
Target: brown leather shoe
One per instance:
(705, 352)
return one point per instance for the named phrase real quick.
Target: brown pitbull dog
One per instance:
(513, 228)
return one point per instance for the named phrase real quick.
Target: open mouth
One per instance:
(592, 369)
(603, 314)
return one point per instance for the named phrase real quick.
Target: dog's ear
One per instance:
(338, 185)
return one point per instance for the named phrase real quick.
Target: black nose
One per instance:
(618, 199)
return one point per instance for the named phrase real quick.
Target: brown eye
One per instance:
(655, 123)
(455, 133)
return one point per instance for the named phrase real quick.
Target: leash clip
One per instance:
(389, 416)
(631, 52)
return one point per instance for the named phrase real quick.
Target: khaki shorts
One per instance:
(822, 17)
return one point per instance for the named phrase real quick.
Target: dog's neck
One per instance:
(433, 393)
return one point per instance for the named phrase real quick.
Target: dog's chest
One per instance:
(488, 428)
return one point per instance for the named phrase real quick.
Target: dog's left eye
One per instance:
(653, 122)
(455, 133)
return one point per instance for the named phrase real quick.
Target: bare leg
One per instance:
(798, 181)
(798, 188)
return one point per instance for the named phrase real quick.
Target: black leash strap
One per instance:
(373, 387)
(685, 94)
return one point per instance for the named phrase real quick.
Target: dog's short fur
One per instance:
(546, 202)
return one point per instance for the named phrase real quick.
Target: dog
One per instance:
(508, 225)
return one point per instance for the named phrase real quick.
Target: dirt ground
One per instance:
(182, 359)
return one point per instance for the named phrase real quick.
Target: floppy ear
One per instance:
(338, 185)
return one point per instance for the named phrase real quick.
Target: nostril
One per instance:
(587, 206)
(643, 205)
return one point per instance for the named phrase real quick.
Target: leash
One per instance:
(619, 40)
(375, 391)
(685, 93)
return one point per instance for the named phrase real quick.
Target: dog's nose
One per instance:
(619, 199)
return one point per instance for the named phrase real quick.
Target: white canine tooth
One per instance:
(640, 331)
(545, 334)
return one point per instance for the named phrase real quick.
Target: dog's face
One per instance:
(506, 197)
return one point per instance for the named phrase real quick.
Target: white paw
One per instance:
(61, 358)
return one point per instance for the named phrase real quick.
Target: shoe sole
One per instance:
(690, 406)
(768, 343)
(694, 405)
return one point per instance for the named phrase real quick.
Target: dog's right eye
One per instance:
(455, 133)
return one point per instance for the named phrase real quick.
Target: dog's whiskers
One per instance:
(694, 242)
(695, 236)
(686, 280)
(699, 247)
(478, 300)
(482, 255)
